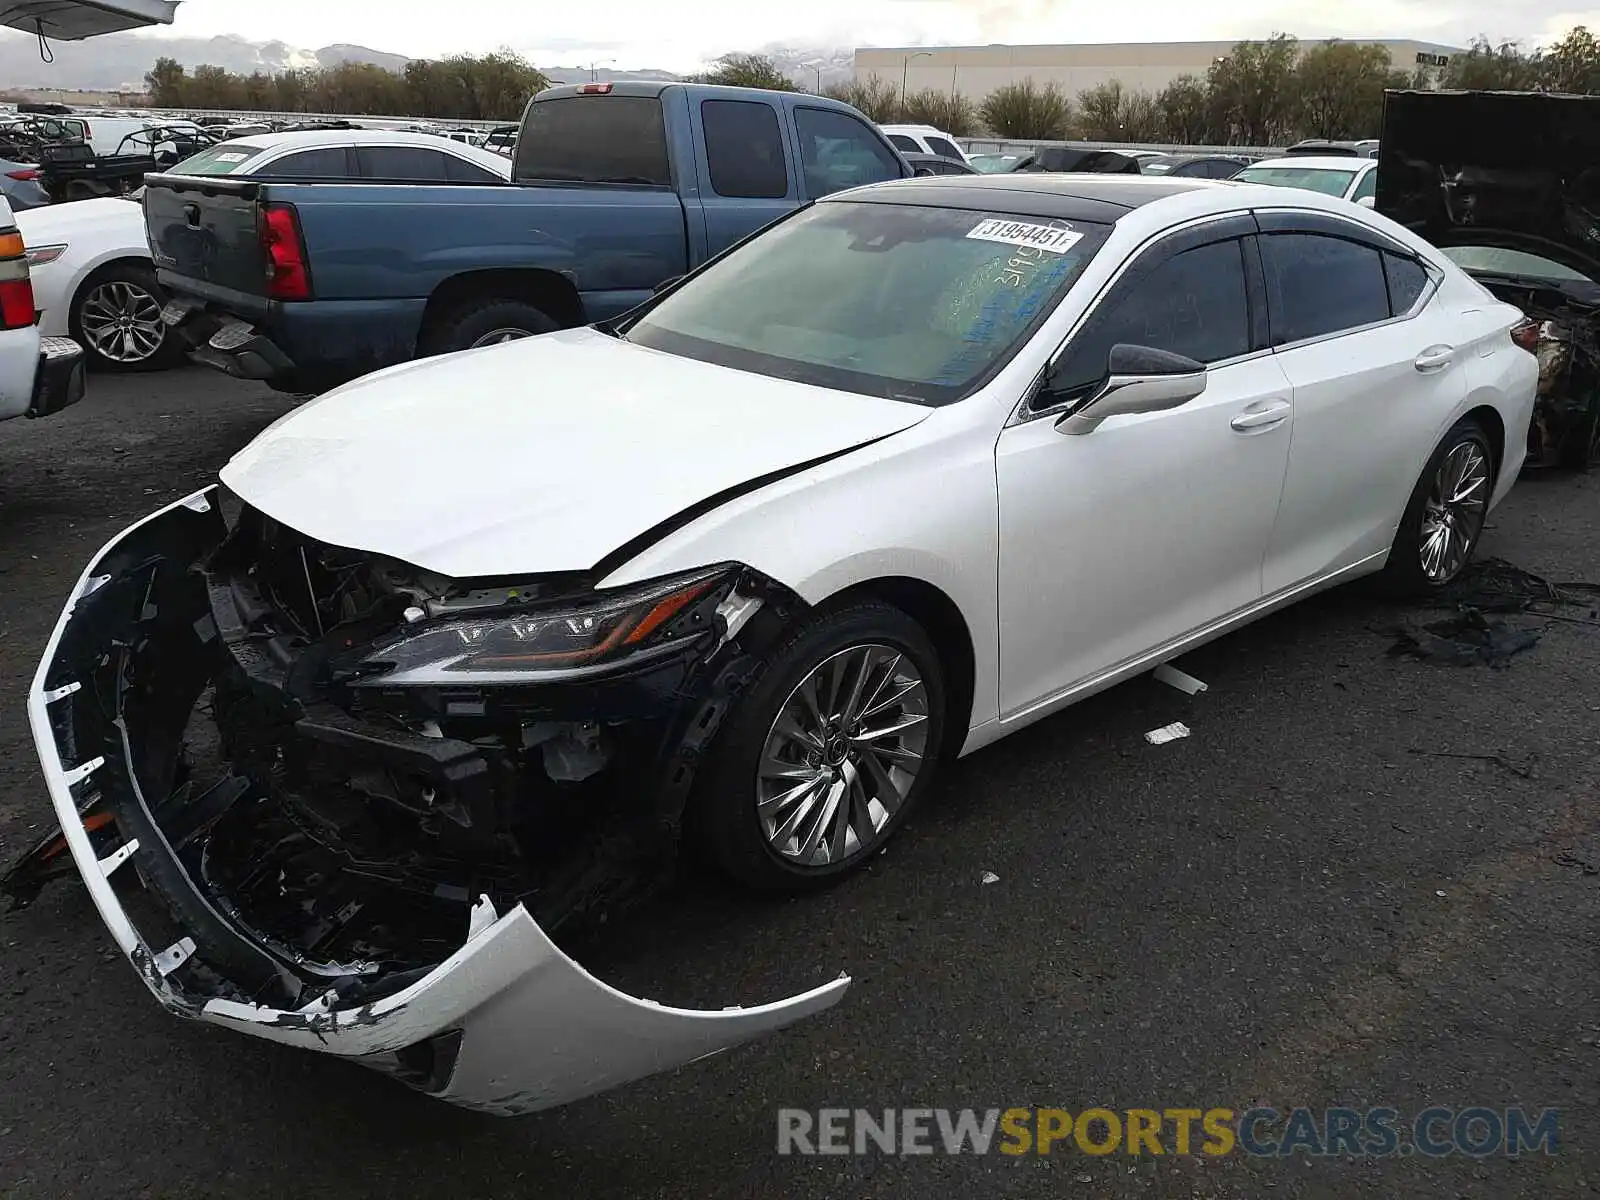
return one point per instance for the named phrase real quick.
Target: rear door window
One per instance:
(837, 151)
(595, 139)
(326, 162)
(902, 142)
(459, 170)
(1319, 285)
(1407, 282)
(401, 164)
(744, 149)
(945, 148)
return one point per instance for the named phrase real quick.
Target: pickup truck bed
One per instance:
(617, 189)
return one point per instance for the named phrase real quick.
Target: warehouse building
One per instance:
(1141, 66)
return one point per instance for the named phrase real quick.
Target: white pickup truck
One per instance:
(38, 375)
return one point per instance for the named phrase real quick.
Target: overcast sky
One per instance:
(681, 34)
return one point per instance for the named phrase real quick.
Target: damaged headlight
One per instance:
(564, 638)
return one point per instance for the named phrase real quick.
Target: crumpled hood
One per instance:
(57, 223)
(540, 455)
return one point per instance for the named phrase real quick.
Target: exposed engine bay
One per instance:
(365, 796)
(1565, 431)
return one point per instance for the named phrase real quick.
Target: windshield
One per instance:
(1498, 260)
(219, 160)
(1327, 180)
(896, 300)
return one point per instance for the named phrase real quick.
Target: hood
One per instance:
(1517, 169)
(538, 456)
(56, 223)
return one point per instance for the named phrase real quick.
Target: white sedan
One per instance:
(919, 465)
(92, 271)
(1354, 179)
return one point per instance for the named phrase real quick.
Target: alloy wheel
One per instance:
(842, 755)
(121, 321)
(496, 336)
(1454, 512)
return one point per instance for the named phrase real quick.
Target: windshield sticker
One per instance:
(1053, 238)
(231, 157)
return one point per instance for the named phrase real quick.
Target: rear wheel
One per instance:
(1444, 519)
(485, 322)
(825, 756)
(116, 318)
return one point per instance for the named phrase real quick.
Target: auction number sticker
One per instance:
(232, 157)
(1024, 233)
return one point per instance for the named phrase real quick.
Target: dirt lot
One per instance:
(1363, 880)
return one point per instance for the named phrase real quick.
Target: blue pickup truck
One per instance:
(616, 188)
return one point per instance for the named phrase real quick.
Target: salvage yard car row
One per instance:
(757, 537)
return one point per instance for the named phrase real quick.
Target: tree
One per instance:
(749, 70)
(166, 82)
(874, 97)
(1253, 91)
(1494, 68)
(1340, 88)
(1100, 112)
(1572, 64)
(1182, 108)
(952, 112)
(1028, 111)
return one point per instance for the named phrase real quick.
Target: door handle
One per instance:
(1435, 358)
(1258, 419)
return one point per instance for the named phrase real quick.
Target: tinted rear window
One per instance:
(219, 160)
(595, 139)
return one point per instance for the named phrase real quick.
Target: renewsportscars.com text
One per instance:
(1477, 1131)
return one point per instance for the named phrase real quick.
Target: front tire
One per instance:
(1444, 519)
(827, 753)
(485, 322)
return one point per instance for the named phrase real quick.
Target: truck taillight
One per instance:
(288, 273)
(1525, 333)
(16, 288)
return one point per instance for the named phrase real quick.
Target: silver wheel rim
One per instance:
(122, 322)
(1453, 516)
(498, 336)
(842, 756)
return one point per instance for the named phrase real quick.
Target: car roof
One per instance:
(1080, 196)
(312, 138)
(1317, 162)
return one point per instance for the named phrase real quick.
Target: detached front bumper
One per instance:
(506, 1024)
(59, 381)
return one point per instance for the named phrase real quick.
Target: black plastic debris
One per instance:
(1463, 640)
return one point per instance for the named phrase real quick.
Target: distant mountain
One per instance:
(118, 61)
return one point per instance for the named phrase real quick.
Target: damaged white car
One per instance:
(455, 655)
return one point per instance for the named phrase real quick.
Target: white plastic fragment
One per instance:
(62, 692)
(81, 772)
(174, 956)
(990, 877)
(1170, 675)
(483, 916)
(1167, 733)
(117, 857)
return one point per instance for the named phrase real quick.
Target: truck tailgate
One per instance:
(204, 237)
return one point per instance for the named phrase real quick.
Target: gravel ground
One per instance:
(1363, 880)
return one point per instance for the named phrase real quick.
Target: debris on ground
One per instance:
(1463, 640)
(1167, 733)
(1475, 633)
(990, 877)
(1170, 675)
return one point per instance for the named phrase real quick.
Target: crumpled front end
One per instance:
(361, 869)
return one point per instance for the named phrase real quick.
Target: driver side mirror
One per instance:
(924, 171)
(1368, 202)
(1139, 379)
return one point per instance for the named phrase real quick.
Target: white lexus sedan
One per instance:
(453, 652)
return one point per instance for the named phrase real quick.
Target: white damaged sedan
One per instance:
(457, 651)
